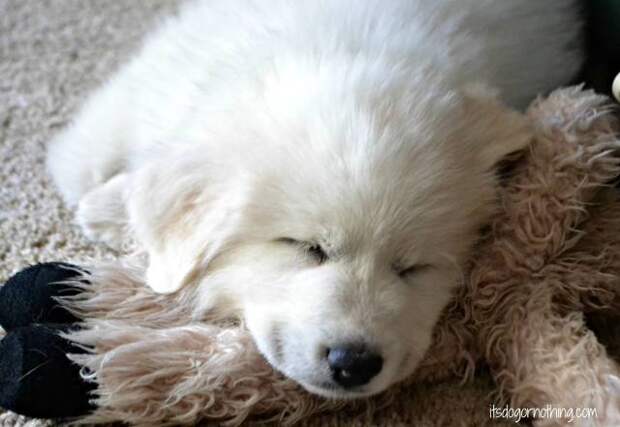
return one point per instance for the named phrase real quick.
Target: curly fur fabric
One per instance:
(550, 258)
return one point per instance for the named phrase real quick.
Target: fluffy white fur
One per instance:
(247, 132)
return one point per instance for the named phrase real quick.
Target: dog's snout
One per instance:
(353, 365)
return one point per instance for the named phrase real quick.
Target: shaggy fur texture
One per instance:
(550, 257)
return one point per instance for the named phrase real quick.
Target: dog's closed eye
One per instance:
(411, 270)
(313, 249)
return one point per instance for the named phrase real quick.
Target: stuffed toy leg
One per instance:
(37, 378)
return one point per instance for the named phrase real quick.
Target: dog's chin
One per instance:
(331, 391)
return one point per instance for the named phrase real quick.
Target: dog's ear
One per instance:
(182, 214)
(499, 130)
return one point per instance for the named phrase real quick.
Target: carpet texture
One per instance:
(52, 53)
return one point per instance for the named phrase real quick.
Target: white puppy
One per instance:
(320, 168)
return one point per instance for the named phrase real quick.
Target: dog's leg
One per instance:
(94, 147)
(102, 214)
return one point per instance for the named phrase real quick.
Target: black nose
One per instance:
(353, 365)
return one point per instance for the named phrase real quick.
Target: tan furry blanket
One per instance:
(550, 259)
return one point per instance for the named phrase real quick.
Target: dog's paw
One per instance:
(100, 230)
(101, 213)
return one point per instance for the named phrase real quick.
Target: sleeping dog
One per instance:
(320, 168)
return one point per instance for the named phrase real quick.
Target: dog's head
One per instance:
(339, 237)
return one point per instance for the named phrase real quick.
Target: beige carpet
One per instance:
(52, 52)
